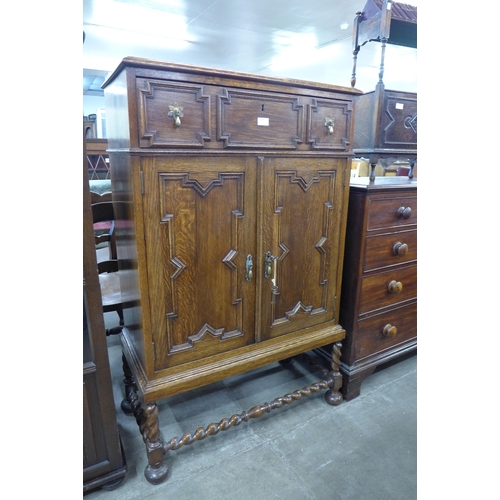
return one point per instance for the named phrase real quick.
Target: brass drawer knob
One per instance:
(403, 212)
(390, 330)
(395, 287)
(399, 249)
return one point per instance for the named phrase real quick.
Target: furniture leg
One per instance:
(120, 315)
(126, 404)
(156, 470)
(334, 378)
(147, 419)
(352, 383)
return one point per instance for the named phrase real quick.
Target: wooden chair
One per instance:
(104, 226)
(107, 262)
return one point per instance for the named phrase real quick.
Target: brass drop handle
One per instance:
(176, 112)
(249, 268)
(399, 249)
(270, 267)
(395, 287)
(403, 212)
(329, 123)
(389, 330)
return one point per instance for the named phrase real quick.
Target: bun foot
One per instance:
(333, 398)
(126, 407)
(157, 474)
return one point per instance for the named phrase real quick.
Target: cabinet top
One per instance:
(137, 62)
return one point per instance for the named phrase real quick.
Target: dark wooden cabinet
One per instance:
(103, 459)
(386, 128)
(231, 194)
(386, 121)
(379, 290)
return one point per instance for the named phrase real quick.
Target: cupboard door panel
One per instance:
(301, 209)
(200, 228)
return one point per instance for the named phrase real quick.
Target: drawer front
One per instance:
(388, 288)
(390, 249)
(398, 127)
(253, 119)
(392, 212)
(172, 114)
(386, 330)
(329, 124)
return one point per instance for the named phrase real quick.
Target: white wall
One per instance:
(91, 104)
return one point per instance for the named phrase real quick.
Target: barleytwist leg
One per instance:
(334, 378)
(126, 405)
(156, 470)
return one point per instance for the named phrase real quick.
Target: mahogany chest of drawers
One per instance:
(379, 287)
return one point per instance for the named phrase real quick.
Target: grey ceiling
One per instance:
(302, 39)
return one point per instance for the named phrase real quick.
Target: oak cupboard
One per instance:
(230, 193)
(104, 462)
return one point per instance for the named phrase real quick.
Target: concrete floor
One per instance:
(364, 449)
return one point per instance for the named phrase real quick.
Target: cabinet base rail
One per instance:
(147, 418)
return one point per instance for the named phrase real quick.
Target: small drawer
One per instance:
(329, 124)
(252, 119)
(388, 288)
(390, 249)
(383, 331)
(172, 114)
(392, 212)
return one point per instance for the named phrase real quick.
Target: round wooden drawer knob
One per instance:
(390, 330)
(395, 286)
(404, 213)
(400, 249)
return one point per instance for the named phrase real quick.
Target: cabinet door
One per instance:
(302, 206)
(199, 223)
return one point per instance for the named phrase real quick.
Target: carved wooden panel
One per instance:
(329, 124)
(301, 209)
(201, 227)
(160, 103)
(398, 126)
(253, 119)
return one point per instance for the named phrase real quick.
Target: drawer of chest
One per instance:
(388, 288)
(386, 330)
(172, 114)
(392, 212)
(390, 249)
(329, 124)
(253, 119)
